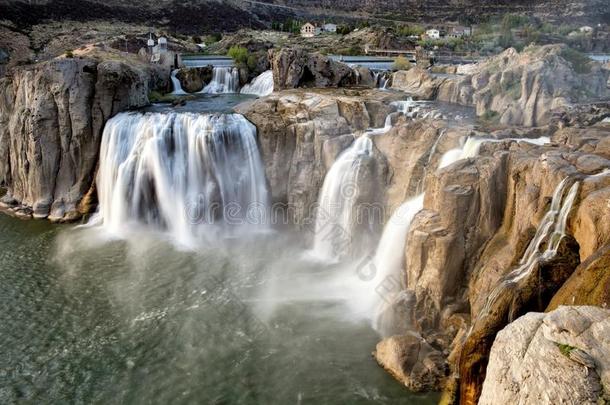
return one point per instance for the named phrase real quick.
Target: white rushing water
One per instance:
(552, 229)
(261, 86)
(180, 172)
(177, 86)
(225, 79)
(472, 146)
(336, 215)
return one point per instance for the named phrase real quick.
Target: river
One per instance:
(90, 319)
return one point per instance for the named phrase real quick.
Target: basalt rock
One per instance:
(194, 80)
(51, 121)
(295, 67)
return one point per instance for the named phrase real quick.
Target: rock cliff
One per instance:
(514, 88)
(51, 120)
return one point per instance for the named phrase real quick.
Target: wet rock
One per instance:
(412, 361)
(194, 80)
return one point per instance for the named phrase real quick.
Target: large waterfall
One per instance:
(180, 172)
(337, 210)
(224, 80)
(261, 86)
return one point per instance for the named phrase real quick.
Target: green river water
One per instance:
(86, 319)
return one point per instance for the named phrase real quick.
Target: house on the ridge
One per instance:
(433, 33)
(308, 30)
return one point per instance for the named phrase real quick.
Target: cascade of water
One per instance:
(389, 257)
(176, 84)
(224, 80)
(555, 221)
(336, 216)
(261, 86)
(472, 146)
(180, 172)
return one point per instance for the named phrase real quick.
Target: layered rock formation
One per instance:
(515, 88)
(554, 358)
(51, 121)
(295, 67)
(194, 80)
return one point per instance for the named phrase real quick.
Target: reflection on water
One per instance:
(89, 319)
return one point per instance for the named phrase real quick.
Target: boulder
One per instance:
(412, 361)
(562, 357)
(195, 79)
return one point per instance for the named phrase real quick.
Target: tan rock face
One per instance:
(411, 360)
(514, 88)
(51, 121)
(559, 357)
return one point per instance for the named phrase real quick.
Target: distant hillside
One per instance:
(191, 16)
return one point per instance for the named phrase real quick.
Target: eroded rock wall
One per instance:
(51, 121)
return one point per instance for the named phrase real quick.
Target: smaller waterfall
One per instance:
(381, 80)
(224, 80)
(551, 229)
(176, 84)
(472, 146)
(389, 258)
(336, 216)
(261, 86)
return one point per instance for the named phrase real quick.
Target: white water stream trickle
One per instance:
(177, 86)
(336, 216)
(225, 80)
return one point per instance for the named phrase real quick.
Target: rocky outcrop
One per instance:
(554, 358)
(51, 121)
(514, 88)
(411, 360)
(295, 67)
(194, 80)
(302, 132)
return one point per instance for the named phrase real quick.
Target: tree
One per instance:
(401, 63)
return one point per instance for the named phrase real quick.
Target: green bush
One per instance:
(408, 30)
(252, 62)
(344, 29)
(69, 54)
(580, 62)
(401, 63)
(239, 54)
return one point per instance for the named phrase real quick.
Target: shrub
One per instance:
(239, 54)
(401, 63)
(197, 39)
(580, 62)
(69, 54)
(252, 62)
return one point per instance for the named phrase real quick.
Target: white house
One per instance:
(459, 32)
(308, 30)
(332, 28)
(433, 33)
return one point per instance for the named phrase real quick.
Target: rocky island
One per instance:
(264, 221)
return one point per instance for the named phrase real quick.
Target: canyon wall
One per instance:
(51, 120)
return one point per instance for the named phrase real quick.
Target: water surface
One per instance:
(86, 318)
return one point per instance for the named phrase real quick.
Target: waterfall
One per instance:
(389, 261)
(180, 172)
(381, 80)
(336, 216)
(176, 84)
(224, 80)
(551, 229)
(472, 146)
(261, 86)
